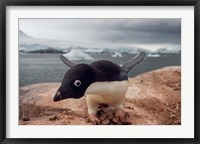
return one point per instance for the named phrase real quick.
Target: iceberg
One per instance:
(90, 50)
(76, 54)
(153, 55)
(116, 54)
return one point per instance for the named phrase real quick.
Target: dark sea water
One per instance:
(40, 68)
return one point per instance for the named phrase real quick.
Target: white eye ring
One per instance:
(77, 83)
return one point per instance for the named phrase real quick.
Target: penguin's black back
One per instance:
(108, 71)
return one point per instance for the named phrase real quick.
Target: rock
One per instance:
(54, 117)
(112, 116)
(25, 118)
(153, 98)
(105, 122)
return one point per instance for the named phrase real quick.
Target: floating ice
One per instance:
(90, 50)
(116, 54)
(76, 54)
(153, 55)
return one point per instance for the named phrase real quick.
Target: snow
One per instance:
(76, 54)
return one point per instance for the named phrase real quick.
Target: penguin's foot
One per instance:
(94, 119)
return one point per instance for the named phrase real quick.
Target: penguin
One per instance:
(101, 82)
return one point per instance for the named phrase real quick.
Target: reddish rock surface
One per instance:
(153, 98)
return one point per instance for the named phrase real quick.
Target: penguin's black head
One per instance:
(75, 82)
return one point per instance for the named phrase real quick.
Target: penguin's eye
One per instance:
(77, 83)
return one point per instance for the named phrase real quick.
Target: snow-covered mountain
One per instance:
(23, 35)
(165, 50)
(31, 44)
(28, 44)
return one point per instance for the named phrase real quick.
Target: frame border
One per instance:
(4, 3)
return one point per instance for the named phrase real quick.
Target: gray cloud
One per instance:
(130, 30)
(122, 31)
(140, 31)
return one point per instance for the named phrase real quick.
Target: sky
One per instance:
(151, 34)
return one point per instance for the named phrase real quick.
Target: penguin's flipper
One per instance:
(134, 61)
(66, 61)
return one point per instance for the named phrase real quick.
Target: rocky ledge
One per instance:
(153, 98)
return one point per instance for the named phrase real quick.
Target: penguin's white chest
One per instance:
(107, 92)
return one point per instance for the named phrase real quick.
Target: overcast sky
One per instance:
(145, 33)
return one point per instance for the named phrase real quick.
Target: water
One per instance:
(40, 68)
